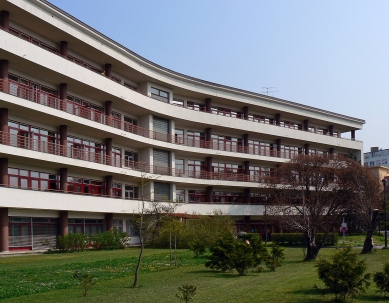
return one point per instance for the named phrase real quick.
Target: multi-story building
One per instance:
(83, 119)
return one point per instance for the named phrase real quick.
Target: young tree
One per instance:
(308, 196)
(344, 274)
(150, 213)
(365, 192)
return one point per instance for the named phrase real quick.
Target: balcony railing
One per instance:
(125, 199)
(25, 142)
(43, 98)
(80, 62)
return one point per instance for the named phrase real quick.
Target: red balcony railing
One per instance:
(224, 112)
(29, 143)
(13, 88)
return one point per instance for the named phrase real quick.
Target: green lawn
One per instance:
(48, 278)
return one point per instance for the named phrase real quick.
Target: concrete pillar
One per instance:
(63, 179)
(108, 112)
(208, 105)
(108, 70)
(4, 230)
(63, 139)
(353, 135)
(331, 130)
(4, 17)
(246, 112)
(278, 119)
(63, 48)
(246, 143)
(63, 224)
(108, 150)
(4, 70)
(247, 224)
(246, 166)
(331, 151)
(109, 221)
(208, 138)
(108, 186)
(278, 144)
(3, 125)
(209, 165)
(4, 171)
(63, 95)
(209, 194)
(306, 149)
(247, 196)
(306, 125)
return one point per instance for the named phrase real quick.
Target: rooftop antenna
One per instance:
(267, 91)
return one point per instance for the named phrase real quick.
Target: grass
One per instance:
(358, 240)
(48, 278)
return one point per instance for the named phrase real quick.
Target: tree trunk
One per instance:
(312, 248)
(368, 244)
(139, 263)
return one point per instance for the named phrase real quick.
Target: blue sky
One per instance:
(327, 54)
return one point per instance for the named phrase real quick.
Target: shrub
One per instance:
(72, 242)
(187, 291)
(344, 274)
(381, 280)
(241, 255)
(198, 247)
(220, 258)
(85, 281)
(275, 258)
(109, 240)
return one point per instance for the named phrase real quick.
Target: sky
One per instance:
(330, 54)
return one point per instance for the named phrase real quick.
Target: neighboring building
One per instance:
(380, 172)
(82, 119)
(377, 157)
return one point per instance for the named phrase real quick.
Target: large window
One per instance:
(131, 192)
(85, 109)
(227, 197)
(195, 106)
(195, 169)
(32, 179)
(84, 149)
(159, 94)
(86, 186)
(196, 196)
(195, 139)
(226, 143)
(259, 174)
(226, 171)
(32, 137)
(180, 169)
(259, 148)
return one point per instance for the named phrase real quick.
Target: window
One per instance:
(226, 143)
(130, 192)
(130, 157)
(195, 106)
(289, 152)
(195, 169)
(180, 195)
(118, 224)
(226, 171)
(116, 190)
(180, 170)
(227, 197)
(159, 94)
(86, 150)
(130, 125)
(259, 148)
(32, 179)
(196, 196)
(132, 229)
(86, 186)
(161, 191)
(195, 139)
(384, 161)
(130, 86)
(179, 136)
(259, 174)
(32, 137)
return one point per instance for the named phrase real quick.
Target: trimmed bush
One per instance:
(72, 242)
(297, 239)
(109, 240)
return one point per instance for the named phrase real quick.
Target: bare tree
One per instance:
(150, 213)
(308, 196)
(365, 198)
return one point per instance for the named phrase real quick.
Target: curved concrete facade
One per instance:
(83, 119)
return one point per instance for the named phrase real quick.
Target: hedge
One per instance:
(297, 239)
